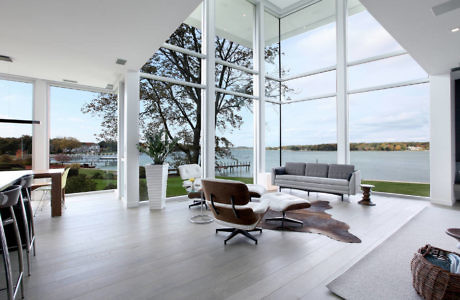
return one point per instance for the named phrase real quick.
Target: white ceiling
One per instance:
(81, 40)
(426, 37)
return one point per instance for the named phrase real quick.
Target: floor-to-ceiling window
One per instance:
(170, 100)
(83, 136)
(388, 108)
(15, 139)
(308, 58)
(234, 88)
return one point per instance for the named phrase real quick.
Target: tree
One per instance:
(177, 109)
(64, 144)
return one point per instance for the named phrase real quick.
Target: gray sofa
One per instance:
(313, 177)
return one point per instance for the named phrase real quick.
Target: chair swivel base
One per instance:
(284, 219)
(198, 202)
(235, 231)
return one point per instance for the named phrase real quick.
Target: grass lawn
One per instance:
(175, 185)
(406, 188)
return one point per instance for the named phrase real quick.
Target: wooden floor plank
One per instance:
(99, 250)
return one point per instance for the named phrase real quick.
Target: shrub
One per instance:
(110, 186)
(74, 170)
(109, 176)
(143, 194)
(141, 172)
(80, 183)
(97, 175)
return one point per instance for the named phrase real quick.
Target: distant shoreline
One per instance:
(380, 146)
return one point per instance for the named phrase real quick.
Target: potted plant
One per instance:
(157, 145)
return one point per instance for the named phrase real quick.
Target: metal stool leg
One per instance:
(6, 263)
(26, 230)
(20, 255)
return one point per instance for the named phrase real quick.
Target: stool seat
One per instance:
(285, 202)
(282, 202)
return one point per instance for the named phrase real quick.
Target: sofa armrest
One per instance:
(277, 171)
(354, 184)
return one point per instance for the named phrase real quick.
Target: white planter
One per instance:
(157, 178)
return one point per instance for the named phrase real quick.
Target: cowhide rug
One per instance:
(315, 220)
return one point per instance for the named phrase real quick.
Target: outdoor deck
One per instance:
(99, 250)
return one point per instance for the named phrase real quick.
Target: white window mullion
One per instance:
(208, 65)
(343, 142)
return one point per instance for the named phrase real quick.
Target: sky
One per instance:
(400, 114)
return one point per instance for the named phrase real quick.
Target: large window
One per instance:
(83, 131)
(389, 129)
(15, 139)
(234, 112)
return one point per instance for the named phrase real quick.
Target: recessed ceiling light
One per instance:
(5, 58)
(244, 15)
(455, 29)
(120, 61)
(109, 86)
(71, 81)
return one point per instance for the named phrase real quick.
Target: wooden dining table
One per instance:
(7, 178)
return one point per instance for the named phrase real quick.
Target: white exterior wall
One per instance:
(442, 145)
(131, 139)
(40, 132)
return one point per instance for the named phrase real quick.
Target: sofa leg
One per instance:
(342, 197)
(308, 193)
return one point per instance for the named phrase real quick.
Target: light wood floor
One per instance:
(99, 250)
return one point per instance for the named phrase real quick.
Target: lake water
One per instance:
(410, 166)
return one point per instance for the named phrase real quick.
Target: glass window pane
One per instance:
(310, 86)
(366, 37)
(390, 134)
(83, 133)
(234, 137)
(271, 31)
(173, 108)
(391, 70)
(233, 80)
(16, 100)
(272, 89)
(309, 131)
(15, 139)
(235, 30)
(308, 38)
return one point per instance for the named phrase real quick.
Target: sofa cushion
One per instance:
(321, 180)
(294, 168)
(316, 170)
(300, 178)
(341, 171)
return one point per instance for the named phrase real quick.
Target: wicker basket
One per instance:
(433, 282)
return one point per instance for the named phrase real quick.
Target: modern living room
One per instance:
(319, 164)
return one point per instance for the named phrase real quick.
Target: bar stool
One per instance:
(8, 198)
(24, 215)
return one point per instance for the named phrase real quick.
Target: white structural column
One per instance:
(121, 140)
(131, 139)
(208, 95)
(40, 132)
(442, 144)
(259, 91)
(343, 142)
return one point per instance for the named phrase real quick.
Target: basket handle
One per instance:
(427, 249)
